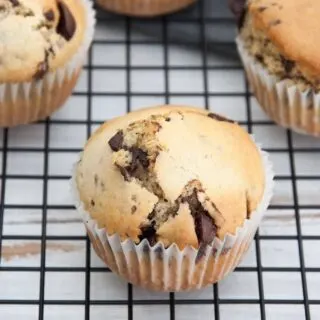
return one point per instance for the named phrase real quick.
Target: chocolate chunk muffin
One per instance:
(42, 48)
(278, 45)
(172, 177)
(144, 8)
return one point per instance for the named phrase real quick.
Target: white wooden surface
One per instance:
(106, 286)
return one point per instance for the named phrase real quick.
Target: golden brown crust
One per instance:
(144, 8)
(34, 50)
(217, 153)
(293, 27)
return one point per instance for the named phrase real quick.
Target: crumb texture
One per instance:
(282, 36)
(173, 175)
(33, 33)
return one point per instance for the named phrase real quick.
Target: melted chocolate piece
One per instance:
(139, 163)
(205, 228)
(238, 8)
(287, 64)
(124, 173)
(67, 25)
(116, 141)
(219, 118)
(49, 15)
(139, 156)
(149, 233)
(259, 58)
(42, 67)
(15, 3)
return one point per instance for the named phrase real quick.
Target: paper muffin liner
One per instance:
(282, 101)
(144, 8)
(26, 102)
(171, 269)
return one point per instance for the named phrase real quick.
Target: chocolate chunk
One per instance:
(219, 118)
(124, 173)
(287, 64)
(92, 203)
(42, 67)
(140, 155)
(116, 141)
(133, 209)
(259, 58)
(239, 9)
(67, 25)
(49, 15)
(148, 232)
(205, 228)
(139, 163)
(15, 3)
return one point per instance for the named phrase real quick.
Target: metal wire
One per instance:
(172, 300)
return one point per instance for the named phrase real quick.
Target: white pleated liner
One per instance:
(10, 91)
(284, 102)
(172, 269)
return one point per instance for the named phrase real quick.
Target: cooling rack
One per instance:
(48, 269)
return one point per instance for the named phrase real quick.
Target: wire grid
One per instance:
(279, 279)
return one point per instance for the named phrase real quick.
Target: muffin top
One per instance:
(38, 36)
(283, 36)
(171, 174)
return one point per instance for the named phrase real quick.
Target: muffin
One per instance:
(42, 48)
(171, 196)
(144, 8)
(278, 44)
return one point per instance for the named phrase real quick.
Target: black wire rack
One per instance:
(282, 265)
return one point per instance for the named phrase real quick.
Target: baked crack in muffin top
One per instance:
(176, 175)
(37, 36)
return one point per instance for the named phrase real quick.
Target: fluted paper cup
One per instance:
(171, 269)
(26, 102)
(282, 101)
(144, 8)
